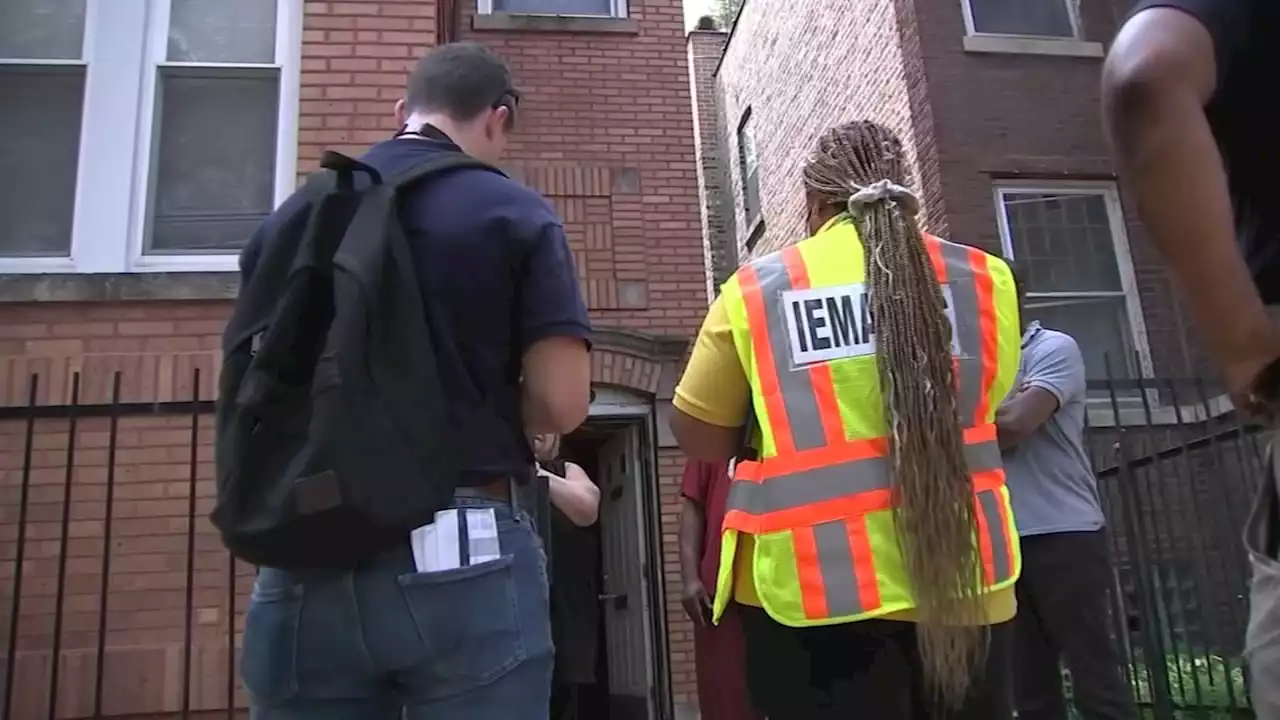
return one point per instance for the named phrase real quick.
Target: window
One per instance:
(747, 169)
(148, 135)
(1070, 249)
(42, 81)
(581, 8)
(1023, 18)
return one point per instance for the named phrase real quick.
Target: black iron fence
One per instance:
(1177, 471)
(121, 602)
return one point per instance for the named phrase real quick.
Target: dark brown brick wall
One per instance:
(967, 118)
(1002, 116)
(705, 50)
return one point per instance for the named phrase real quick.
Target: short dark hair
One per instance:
(460, 80)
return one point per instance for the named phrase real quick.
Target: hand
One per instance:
(697, 603)
(1243, 372)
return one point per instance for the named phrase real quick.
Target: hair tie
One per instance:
(879, 191)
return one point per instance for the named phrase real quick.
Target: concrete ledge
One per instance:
(119, 287)
(554, 23)
(1032, 46)
(1133, 414)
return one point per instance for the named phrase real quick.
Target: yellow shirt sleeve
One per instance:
(1009, 334)
(714, 387)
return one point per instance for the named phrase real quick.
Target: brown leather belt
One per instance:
(499, 489)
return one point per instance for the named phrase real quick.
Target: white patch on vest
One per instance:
(834, 323)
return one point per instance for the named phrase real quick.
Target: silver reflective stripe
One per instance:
(968, 329)
(989, 502)
(798, 396)
(839, 576)
(787, 492)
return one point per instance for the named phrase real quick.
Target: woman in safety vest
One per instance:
(869, 540)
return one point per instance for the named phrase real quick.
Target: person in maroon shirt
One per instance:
(719, 653)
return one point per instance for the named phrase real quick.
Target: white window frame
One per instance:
(1120, 242)
(1073, 12)
(617, 9)
(117, 138)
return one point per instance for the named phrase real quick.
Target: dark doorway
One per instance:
(609, 560)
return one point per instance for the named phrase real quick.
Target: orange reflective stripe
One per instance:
(813, 591)
(934, 246)
(813, 514)
(835, 509)
(864, 566)
(1009, 539)
(846, 451)
(824, 390)
(980, 433)
(990, 334)
(805, 460)
(757, 320)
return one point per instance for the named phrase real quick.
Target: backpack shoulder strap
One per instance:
(436, 164)
(346, 167)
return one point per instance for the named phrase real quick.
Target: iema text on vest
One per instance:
(832, 323)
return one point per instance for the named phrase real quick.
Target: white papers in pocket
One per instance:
(482, 536)
(435, 546)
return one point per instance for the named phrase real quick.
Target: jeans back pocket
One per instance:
(269, 659)
(469, 623)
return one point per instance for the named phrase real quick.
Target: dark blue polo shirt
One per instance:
(497, 276)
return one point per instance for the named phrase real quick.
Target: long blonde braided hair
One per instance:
(860, 167)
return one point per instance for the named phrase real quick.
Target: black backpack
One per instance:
(333, 436)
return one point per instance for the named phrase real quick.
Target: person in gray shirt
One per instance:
(1066, 569)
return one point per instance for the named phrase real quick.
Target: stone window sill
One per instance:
(110, 287)
(1032, 46)
(554, 23)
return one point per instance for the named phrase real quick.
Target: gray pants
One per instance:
(1262, 641)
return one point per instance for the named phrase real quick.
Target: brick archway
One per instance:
(633, 361)
(629, 372)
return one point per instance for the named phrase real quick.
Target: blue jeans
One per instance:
(386, 642)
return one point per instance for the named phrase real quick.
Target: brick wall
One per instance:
(355, 56)
(606, 133)
(968, 119)
(157, 350)
(705, 49)
(1035, 117)
(800, 73)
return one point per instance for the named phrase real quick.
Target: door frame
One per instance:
(626, 410)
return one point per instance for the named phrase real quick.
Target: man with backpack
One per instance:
(403, 319)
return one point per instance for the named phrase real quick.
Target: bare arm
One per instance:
(693, 524)
(713, 398)
(1054, 375)
(695, 598)
(574, 494)
(1159, 75)
(1022, 414)
(556, 385)
(704, 441)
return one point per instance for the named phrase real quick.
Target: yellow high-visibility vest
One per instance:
(817, 503)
